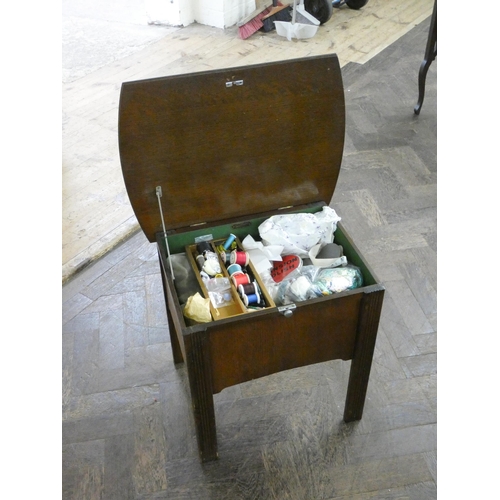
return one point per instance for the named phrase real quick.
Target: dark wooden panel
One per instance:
(263, 344)
(220, 152)
(369, 317)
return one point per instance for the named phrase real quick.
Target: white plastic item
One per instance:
(298, 233)
(306, 28)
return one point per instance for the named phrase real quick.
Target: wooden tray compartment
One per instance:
(250, 269)
(237, 307)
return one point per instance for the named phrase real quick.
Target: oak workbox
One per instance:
(209, 154)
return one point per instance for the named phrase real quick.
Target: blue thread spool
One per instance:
(229, 241)
(253, 298)
(233, 268)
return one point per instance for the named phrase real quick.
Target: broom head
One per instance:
(252, 26)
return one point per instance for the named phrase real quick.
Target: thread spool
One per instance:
(229, 241)
(248, 289)
(223, 254)
(251, 299)
(234, 268)
(200, 261)
(240, 278)
(240, 258)
(224, 257)
(203, 246)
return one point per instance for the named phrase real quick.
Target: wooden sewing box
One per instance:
(221, 151)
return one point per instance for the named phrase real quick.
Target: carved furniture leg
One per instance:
(359, 375)
(430, 55)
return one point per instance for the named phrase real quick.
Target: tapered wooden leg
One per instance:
(200, 382)
(174, 341)
(371, 307)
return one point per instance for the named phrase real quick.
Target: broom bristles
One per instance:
(254, 25)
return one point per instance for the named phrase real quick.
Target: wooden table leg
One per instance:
(371, 307)
(200, 382)
(430, 55)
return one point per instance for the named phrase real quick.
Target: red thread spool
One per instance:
(240, 278)
(240, 258)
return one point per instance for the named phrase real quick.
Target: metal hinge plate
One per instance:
(287, 310)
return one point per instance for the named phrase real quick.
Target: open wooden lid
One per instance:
(232, 142)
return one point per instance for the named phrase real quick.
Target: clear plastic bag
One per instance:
(185, 281)
(298, 233)
(297, 287)
(211, 265)
(338, 279)
(219, 291)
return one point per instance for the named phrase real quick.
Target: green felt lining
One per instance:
(177, 242)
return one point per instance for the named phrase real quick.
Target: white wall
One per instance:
(217, 13)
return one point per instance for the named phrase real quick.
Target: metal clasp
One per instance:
(287, 310)
(234, 82)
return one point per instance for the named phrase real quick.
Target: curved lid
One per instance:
(231, 142)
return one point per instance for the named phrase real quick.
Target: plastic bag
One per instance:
(298, 233)
(185, 281)
(338, 279)
(211, 265)
(197, 309)
(219, 291)
(296, 287)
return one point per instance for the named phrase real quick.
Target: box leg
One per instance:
(371, 307)
(200, 382)
(174, 341)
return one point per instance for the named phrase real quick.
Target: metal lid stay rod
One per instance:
(159, 195)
